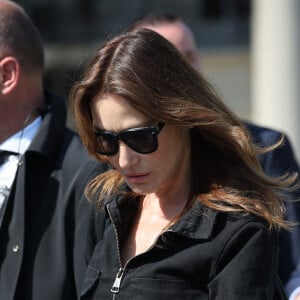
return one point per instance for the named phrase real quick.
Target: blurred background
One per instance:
(249, 49)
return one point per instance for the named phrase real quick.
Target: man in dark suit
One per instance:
(275, 163)
(46, 224)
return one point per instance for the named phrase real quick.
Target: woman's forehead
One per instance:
(115, 113)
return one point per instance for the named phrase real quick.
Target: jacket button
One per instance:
(16, 248)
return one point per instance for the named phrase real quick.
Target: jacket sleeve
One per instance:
(85, 233)
(246, 267)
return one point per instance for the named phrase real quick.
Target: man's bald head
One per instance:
(174, 30)
(19, 37)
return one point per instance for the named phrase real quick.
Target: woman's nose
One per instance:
(127, 157)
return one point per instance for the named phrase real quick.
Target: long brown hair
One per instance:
(146, 70)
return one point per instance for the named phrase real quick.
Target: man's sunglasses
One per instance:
(142, 140)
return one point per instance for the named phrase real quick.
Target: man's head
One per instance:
(173, 29)
(21, 69)
(19, 37)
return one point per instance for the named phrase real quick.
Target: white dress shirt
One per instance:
(18, 143)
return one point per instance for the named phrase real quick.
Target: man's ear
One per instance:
(9, 74)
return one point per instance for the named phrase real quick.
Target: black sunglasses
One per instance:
(142, 140)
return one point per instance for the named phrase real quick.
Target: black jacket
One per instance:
(42, 238)
(205, 255)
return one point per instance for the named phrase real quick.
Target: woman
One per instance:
(185, 212)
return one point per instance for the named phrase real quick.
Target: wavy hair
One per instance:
(147, 70)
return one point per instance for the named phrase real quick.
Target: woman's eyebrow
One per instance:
(146, 123)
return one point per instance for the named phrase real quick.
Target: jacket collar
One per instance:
(197, 223)
(51, 132)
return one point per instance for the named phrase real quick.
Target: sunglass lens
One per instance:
(142, 141)
(107, 144)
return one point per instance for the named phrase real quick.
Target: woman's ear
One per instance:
(9, 74)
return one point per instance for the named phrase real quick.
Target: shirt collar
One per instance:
(20, 141)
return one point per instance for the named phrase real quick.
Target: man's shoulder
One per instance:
(264, 136)
(73, 144)
(76, 166)
(75, 156)
(279, 160)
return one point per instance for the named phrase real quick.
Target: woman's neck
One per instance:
(167, 205)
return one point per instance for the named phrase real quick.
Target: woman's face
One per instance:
(156, 172)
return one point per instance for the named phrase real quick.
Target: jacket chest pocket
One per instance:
(164, 289)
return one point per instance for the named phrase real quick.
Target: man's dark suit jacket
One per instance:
(276, 163)
(44, 230)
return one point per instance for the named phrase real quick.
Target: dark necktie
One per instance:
(4, 155)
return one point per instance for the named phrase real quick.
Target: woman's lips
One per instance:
(136, 178)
